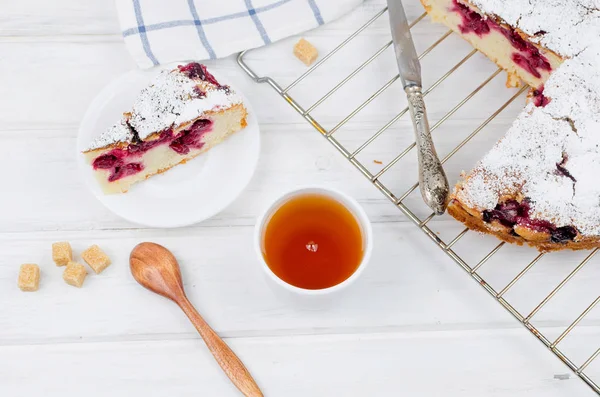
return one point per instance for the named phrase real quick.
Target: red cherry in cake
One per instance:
(471, 20)
(507, 213)
(192, 70)
(531, 62)
(200, 126)
(562, 170)
(116, 160)
(191, 138)
(179, 147)
(125, 170)
(527, 56)
(511, 213)
(195, 70)
(515, 39)
(538, 225)
(209, 77)
(141, 147)
(539, 99)
(105, 162)
(563, 234)
(537, 59)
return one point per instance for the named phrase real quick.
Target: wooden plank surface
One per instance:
(414, 324)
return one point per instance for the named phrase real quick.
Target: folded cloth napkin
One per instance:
(161, 31)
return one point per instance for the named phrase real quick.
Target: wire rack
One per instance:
(552, 343)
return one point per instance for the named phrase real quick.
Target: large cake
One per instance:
(181, 114)
(539, 184)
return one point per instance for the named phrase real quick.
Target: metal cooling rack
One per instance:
(525, 319)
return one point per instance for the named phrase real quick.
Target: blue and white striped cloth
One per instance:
(163, 31)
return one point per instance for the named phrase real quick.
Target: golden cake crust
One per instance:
(473, 220)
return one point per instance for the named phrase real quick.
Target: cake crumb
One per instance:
(62, 253)
(378, 162)
(74, 274)
(96, 258)
(29, 277)
(513, 81)
(306, 52)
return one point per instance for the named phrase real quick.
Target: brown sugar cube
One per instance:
(61, 253)
(97, 259)
(305, 52)
(29, 277)
(74, 274)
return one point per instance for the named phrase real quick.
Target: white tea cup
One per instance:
(347, 202)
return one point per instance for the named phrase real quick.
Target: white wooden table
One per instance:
(413, 325)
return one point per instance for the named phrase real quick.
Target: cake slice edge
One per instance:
(162, 158)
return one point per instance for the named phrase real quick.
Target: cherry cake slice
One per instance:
(183, 112)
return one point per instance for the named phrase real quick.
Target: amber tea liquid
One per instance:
(313, 241)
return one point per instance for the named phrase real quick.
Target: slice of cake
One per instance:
(538, 185)
(181, 114)
(502, 40)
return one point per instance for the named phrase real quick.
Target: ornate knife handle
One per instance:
(432, 179)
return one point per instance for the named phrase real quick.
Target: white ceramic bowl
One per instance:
(348, 202)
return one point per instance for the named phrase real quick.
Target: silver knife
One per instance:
(432, 179)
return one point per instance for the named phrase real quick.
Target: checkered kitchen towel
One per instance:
(163, 31)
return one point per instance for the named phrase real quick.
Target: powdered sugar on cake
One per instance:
(120, 132)
(551, 155)
(173, 98)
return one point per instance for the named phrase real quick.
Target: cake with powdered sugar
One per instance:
(538, 185)
(184, 112)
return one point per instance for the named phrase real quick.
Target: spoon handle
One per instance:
(229, 362)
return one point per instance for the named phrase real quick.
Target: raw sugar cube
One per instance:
(74, 274)
(62, 253)
(97, 259)
(305, 52)
(29, 277)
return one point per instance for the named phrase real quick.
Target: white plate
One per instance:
(186, 194)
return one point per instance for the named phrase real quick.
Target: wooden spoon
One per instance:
(155, 267)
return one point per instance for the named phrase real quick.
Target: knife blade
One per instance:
(432, 179)
(404, 47)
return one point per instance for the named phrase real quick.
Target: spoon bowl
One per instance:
(155, 268)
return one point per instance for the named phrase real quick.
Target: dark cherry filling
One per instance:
(528, 56)
(121, 171)
(512, 213)
(190, 138)
(141, 147)
(196, 70)
(472, 21)
(508, 213)
(562, 170)
(563, 234)
(531, 62)
(515, 39)
(539, 99)
(105, 162)
(117, 159)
